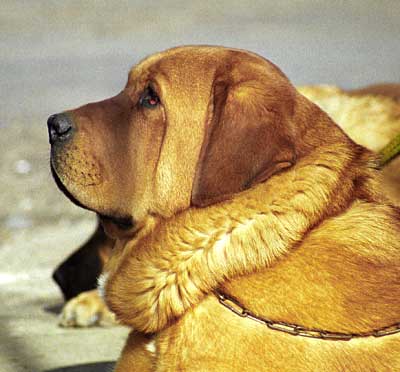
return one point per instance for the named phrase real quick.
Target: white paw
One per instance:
(86, 310)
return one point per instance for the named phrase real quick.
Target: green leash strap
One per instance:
(390, 151)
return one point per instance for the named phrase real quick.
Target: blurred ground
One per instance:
(57, 55)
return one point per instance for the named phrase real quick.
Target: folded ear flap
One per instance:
(246, 142)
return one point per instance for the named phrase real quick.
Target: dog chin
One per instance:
(101, 284)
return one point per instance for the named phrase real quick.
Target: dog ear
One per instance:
(246, 140)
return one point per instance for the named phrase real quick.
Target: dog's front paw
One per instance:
(86, 310)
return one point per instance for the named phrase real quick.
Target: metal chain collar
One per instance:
(297, 330)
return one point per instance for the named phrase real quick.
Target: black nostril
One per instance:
(60, 127)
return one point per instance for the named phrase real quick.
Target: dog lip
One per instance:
(122, 222)
(64, 190)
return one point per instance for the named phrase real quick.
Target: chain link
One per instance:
(297, 330)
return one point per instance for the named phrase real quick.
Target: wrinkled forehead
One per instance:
(177, 67)
(186, 77)
(200, 65)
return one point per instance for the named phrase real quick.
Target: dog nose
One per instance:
(60, 127)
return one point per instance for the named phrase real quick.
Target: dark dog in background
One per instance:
(79, 272)
(77, 278)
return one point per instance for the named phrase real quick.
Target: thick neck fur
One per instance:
(159, 277)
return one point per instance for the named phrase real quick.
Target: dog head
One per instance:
(193, 126)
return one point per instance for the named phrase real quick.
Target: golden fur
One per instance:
(297, 228)
(367, 115)
(371, 118)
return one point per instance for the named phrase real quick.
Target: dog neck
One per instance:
(188, 256)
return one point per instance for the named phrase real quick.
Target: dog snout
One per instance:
(60, 128)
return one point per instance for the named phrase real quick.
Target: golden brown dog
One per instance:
(213, 173)
(370, 116)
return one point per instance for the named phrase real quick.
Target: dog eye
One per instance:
(149, 98)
